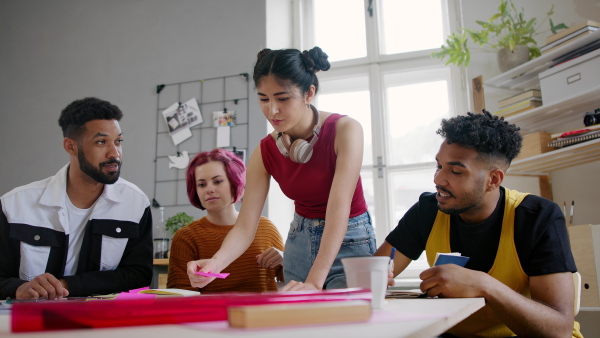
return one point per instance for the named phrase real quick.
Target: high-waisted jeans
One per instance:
(304, 240)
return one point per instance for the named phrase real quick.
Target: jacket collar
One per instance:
(56, 191)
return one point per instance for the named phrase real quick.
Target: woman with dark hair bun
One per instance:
(215, 181)
(316, 158)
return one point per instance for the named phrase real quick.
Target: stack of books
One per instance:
(569, 35)
(564, 139)
(519, 103)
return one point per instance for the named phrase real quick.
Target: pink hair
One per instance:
(234, 168)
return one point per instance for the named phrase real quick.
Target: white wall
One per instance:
(54, 52)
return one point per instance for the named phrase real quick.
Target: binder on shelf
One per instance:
(567, 141)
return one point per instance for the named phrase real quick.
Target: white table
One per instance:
(398, 318)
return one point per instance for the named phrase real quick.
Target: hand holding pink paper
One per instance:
(210, 274)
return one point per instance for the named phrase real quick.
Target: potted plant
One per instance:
(506, 32)
(178, 221)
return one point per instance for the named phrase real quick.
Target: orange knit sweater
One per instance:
(201, 240)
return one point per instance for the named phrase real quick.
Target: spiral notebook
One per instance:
(567, 141)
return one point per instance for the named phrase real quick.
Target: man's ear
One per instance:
(496, 177)
(70, 146)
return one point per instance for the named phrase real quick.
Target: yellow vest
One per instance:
(506, 268)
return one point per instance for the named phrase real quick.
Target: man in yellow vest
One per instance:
(520, 259)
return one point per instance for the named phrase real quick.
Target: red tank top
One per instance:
(308, 184)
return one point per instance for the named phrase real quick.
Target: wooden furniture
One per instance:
(567, 109)
(398, 318)
(159, 273)
(585, 245)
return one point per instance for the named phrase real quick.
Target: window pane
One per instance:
(406, 187)
(340, 28)
(411, 25)
(414, 113)
(351, 97)
(369, 192)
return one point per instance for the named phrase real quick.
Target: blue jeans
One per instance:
(304, 240)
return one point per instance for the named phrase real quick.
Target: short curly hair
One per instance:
(491, 136)
(234, 168)
(74, 117)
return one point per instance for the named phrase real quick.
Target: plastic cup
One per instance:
(368, 273)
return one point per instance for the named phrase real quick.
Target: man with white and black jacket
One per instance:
(83, 231)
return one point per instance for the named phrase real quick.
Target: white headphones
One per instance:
(299, 151)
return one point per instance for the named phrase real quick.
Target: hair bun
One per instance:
(315, 60)
(262, 54)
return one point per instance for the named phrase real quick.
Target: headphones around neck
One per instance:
(299, 151)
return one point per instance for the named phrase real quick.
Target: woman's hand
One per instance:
(270, 258)
(299, 286)
(203, 265)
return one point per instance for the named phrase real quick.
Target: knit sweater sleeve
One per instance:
(276, 242)
(183, 250)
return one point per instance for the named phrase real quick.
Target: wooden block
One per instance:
(294, 314)
(585, 245)
(534, 144)
(162, 280)
(478, 94)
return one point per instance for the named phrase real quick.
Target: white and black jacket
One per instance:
(116, 253)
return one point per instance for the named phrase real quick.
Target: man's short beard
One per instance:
(96, 173)
(454, 211)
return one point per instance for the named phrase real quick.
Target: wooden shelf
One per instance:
(543, 164)
(568, 110)
(525, 76)
(161, 261)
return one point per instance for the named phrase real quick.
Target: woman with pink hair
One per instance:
(215, 181)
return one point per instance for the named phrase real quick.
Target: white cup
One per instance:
(369, 272)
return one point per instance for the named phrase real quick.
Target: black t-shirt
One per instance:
(541, 237)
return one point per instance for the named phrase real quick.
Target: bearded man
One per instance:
(85, 230)
(520, 259)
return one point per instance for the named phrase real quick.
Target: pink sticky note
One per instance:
(210, 274)
(127, 295)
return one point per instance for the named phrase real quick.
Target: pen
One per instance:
(391, 265)
(571, 216)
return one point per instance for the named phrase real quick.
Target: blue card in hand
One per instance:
(452, 258)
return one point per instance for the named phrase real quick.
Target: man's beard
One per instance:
(472, 199)
(96, 173)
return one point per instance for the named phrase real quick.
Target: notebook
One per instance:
(567, 141)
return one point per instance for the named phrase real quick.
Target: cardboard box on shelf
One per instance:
(534, 144)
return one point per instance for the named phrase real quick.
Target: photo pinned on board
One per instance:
(224, 118)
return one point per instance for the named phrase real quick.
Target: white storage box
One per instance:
(570, 78)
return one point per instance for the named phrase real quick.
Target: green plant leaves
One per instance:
(178, 221)
(506, 28)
